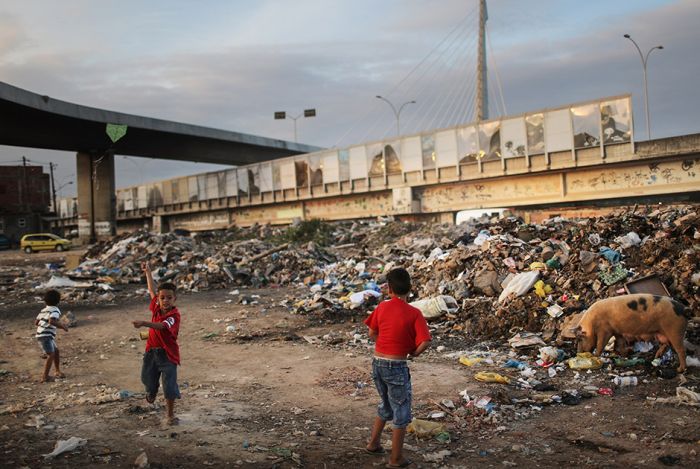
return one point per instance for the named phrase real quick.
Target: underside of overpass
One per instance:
(31, 120)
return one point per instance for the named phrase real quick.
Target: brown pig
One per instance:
(639, 315)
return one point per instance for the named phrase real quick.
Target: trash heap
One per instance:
(484, 279)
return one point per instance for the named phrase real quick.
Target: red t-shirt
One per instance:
(401, 327)
(164, 338)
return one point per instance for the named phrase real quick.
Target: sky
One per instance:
(232, 64)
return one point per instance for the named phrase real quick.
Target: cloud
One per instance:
(282, 56)
(12, 37)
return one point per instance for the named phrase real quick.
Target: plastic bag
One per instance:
(425, 428)
(628, 240)
(436, 307)
(360, 297)
(490, 377)
(551, 354)
(63, 446)
(483, 236)
(585, 361)
(610, 254)
(469, 361)
(520, 284)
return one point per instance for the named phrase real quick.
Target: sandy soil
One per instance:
(263, 396)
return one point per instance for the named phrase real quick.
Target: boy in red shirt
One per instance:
(400, 331)
(162, 350)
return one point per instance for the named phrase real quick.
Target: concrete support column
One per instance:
(447, 217)
(96, 196)
(159, 224)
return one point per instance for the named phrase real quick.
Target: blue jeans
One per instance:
(47, 344)
(393, 381)
(156, 366)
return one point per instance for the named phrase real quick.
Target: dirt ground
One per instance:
(264, 396)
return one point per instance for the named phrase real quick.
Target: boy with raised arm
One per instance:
(162, 355)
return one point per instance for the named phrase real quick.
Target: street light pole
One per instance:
(645, 59)
(306, 113)
(295, 126)
(397, 114)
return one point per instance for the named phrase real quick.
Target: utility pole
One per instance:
(23, 185)
(482, 97)
(93, 175)
(53, 189)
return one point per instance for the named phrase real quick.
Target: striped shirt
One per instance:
(44, 327)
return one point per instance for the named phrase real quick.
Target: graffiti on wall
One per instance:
(488, 193)
(651, 175)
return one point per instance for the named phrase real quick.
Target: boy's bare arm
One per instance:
(54, 322)
(373, 334)
(420, 349)
(149, 279)
(152, 325)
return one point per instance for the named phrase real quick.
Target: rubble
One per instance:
(485, 280)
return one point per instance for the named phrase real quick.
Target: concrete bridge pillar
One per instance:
(447, 217)
(159, 224)
(96, 196)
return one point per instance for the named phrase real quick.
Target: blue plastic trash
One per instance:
(610, 254)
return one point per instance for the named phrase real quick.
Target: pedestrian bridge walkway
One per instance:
(582, 153)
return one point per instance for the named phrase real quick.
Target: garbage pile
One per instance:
(486, 279)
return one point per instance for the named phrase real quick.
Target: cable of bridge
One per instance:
(494, 67)
(418, 89)
(430, 118)
(431, 55)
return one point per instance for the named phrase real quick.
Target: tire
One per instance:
(28, 249)
(59, 247)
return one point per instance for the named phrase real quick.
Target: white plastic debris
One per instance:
(520, 284)
(435, 307)
(360, 297)
(438, 456)
(692, 361)
(555, 311)
(63, 282)
(628, 240)
(643, 347)
(483, 236)
(141, 461)
(63, 446)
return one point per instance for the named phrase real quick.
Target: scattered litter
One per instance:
(63, 446)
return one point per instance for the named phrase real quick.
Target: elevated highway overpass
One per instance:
(37, 121)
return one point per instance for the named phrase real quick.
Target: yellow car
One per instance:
(43, 242)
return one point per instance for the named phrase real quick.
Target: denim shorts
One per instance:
(47, 344)
(156, 367)
(393, 381)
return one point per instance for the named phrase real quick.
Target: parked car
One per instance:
(5, 242)
(43, 242)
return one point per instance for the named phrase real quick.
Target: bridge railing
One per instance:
(549, 139)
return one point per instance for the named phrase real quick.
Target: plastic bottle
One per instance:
(625, 380)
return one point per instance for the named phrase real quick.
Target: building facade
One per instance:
(25, 195)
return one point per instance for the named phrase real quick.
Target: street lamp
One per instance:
(58, 189)
(645, 59)
(396, 113)
(283, 115)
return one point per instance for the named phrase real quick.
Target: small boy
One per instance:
(400, 332)
(46, 322)
(162, 355)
